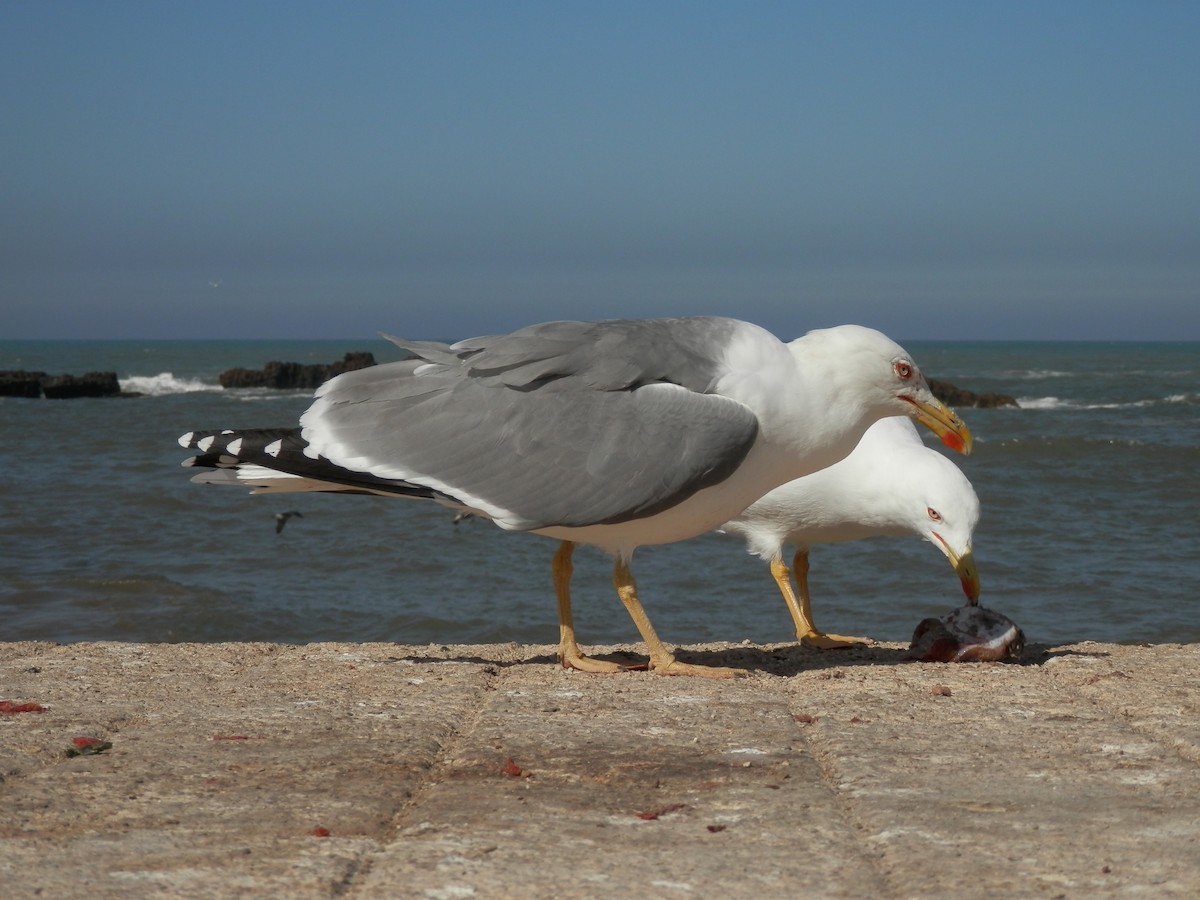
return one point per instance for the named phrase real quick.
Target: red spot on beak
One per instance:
(954, 442)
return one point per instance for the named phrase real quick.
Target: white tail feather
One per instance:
(270, 481)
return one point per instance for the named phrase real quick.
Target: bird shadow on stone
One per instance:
(794, 659)
(791, 659)
(769, 659)
(1040, 654)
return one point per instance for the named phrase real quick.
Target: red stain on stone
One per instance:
(9, 707)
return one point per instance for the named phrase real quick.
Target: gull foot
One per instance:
(819, 640)
(582, 663)
(672, 666)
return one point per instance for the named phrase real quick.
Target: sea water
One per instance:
(1089, 493)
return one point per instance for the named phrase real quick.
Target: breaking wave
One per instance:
(1060, 403)
(1037, 374)
(165, 383)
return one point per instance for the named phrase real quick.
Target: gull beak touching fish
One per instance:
(890, 484)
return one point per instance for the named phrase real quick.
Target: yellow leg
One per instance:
(801, 607)
(569, 654)
(662, 660)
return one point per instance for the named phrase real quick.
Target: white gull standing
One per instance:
(616, 434)
(891, 484)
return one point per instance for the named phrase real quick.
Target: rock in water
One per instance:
(952, 395)
(93, 384)
(21, 384)
(968, 634)
(293, 375)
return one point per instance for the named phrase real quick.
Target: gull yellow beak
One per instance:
(964, 565)
(942, 421)
(968, 574)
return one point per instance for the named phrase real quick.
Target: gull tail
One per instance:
(278, 460)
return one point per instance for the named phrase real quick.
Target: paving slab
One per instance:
(381, 770)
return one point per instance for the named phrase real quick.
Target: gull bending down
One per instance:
(891, 484)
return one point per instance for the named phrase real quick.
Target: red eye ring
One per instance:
(904, 369)
(933, 514)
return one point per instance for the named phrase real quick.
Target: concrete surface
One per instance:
(379, 771)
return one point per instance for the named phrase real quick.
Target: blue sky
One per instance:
(939, 170)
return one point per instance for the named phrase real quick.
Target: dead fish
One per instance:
(967, 634)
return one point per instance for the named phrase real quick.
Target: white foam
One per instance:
(1045, 403)
(165, 383)
(253, 395)
(1037, 374)
(1060, 403)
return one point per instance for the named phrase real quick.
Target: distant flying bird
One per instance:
(614, 434)
(281, 519)
(892, 484)
(216, 284)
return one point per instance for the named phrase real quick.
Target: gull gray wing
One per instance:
(612, 355)
(562, 424)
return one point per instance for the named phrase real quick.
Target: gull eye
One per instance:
(933, 514)
(904, 370)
